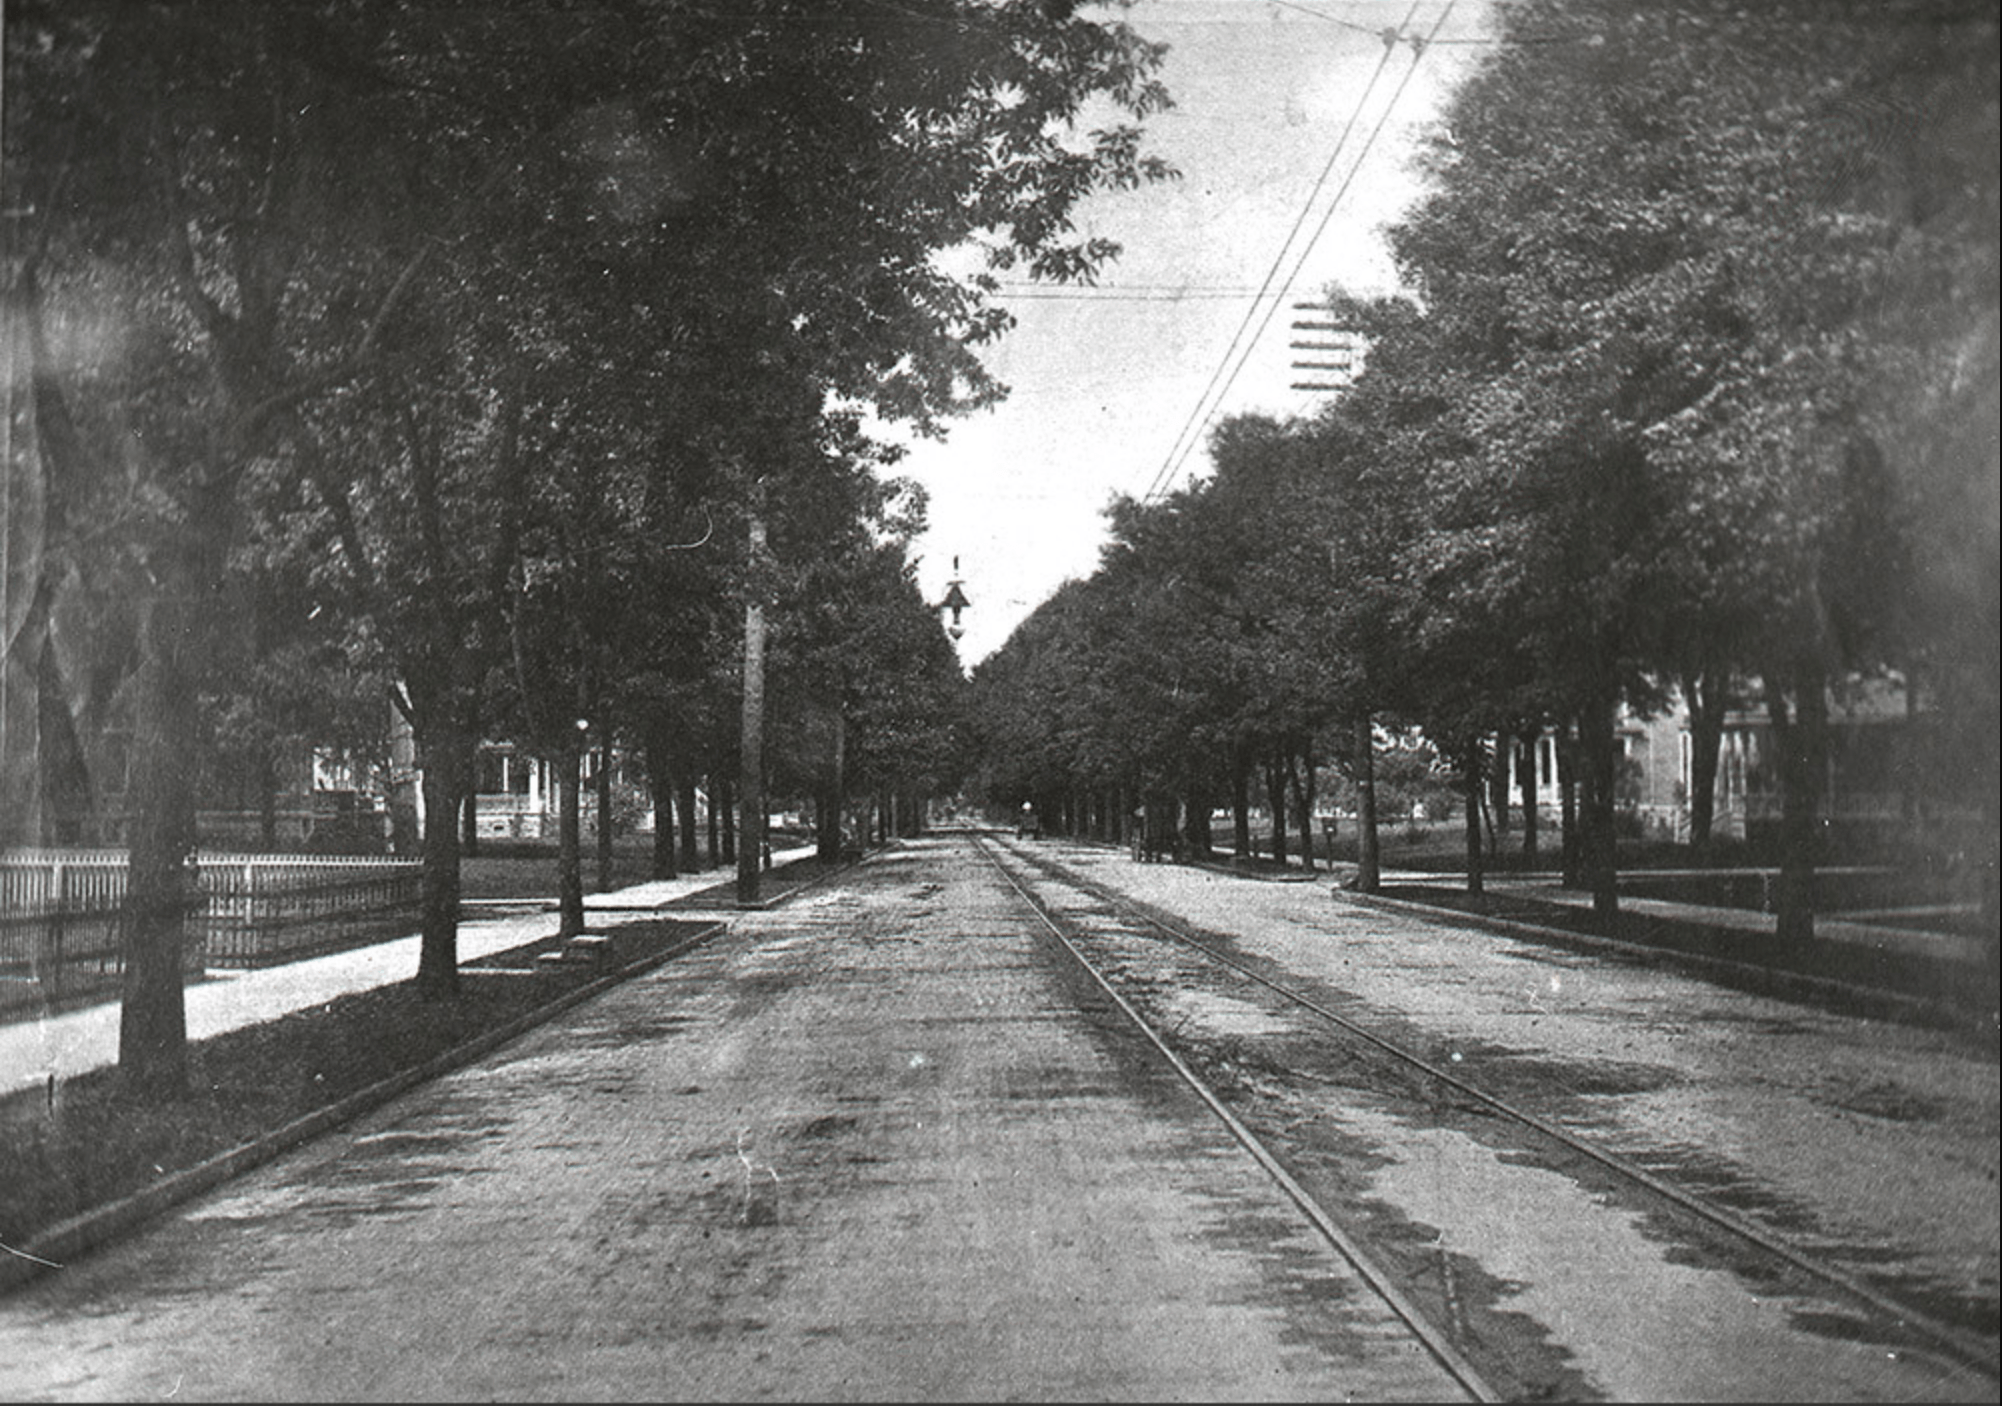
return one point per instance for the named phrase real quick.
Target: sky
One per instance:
(1295, 141)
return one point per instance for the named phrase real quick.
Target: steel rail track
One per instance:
(1978, 1354)
(1435, 1342)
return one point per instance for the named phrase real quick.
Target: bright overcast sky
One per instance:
(1111, 384)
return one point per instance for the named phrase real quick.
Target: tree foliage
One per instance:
(463, 317)
(1692, 384)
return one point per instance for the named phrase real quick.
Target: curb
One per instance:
(69, 1239)
(776, 899)
(1764, 980)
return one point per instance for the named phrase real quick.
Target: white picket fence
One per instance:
(62, 912)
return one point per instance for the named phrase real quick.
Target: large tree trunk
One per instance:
(1706, 696)
(1571, 850)
(569, 842)
(1275, 803)
(1802, 742)
(1369, 846)
(726, 810)
(469, 834)
(1599, 852)
(444, 752)
(1196, 821)
(719, 807)
(1525, 769)
(1240, 801)
(684, 802)
(605, 816)
(660, 785)
(827, 834)
(267, 796)
(1303, 804)
(162, 885)
(1473, 791)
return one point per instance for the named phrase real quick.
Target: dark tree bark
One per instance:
(1498, 807)
(469, 835)
(719, 807)
(1275, 802)
(1302, 776)
(827, 835)
(162, 884)
(660, 785)
(605, 816)
(1570, 849)
(1475, 786)
(444, 752)
(1707, 697)
(684, 802)
(1240, 801)
(1196, 821)
(726, 813)
(267, 797)
(1525, 770)
(1369, 848)
(1600, 746)
(569, 838)
(1800, 734)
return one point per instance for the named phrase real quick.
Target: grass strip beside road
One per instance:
(85, 1160)
(1885, 985)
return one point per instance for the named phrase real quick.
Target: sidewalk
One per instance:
(1949, 948)
(75, 1042)
(1928, 946)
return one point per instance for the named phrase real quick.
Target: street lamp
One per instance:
(955, 601)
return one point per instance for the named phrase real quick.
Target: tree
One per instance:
(192, 159)
(1659, 259)
(356, 224)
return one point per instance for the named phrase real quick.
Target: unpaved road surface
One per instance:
(1868, 1145)
(881, 1143)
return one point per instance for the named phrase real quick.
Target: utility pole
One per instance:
(751, 776)
(1335, 344)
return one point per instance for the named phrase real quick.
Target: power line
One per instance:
(1128, 295)
(1179, 456)
(1198, 414)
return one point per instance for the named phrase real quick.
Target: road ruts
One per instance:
(1555, 1295)
(882, 1143)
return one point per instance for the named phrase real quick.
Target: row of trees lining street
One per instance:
(1694, 389)
(515, 364)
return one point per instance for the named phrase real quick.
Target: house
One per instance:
(1871, 784)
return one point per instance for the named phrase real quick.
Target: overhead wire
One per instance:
(1198, 414)
(1185, 443)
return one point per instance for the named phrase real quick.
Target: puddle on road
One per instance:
(1640, 1324)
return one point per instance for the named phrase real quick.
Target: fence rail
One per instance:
(62, 912)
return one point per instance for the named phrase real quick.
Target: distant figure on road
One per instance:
(1028, 825)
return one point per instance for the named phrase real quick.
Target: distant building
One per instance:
(1869, 786)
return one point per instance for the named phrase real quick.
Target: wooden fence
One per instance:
(62, 918)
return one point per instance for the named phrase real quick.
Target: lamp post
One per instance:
(955, 601)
